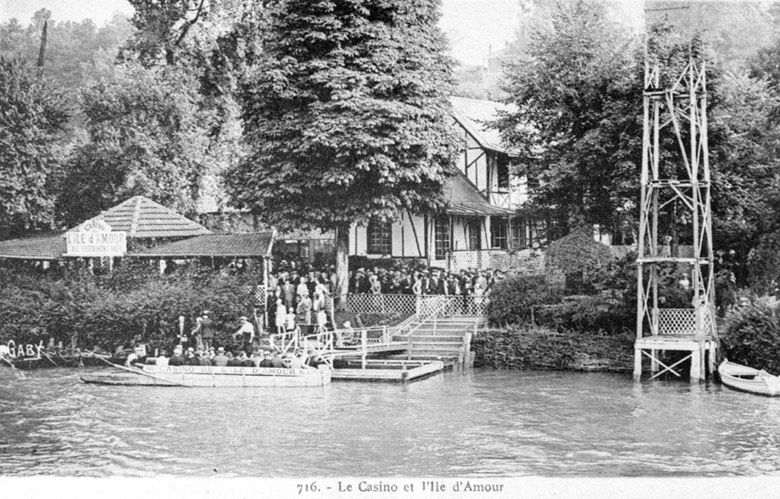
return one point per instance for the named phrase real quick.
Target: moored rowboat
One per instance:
(213, 376)
(749, 380)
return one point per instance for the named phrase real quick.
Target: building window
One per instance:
(475, 241)
(519, 240)
(441, 237)
(502, 173)
(380, 238)
(498, 232)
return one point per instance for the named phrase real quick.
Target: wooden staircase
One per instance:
(444, 338)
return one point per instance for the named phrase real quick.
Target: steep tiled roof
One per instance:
(48, 246)
(142, 218)
(256, 244)
(475, 115)
(464, 199)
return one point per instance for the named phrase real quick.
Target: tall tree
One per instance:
(214, 42)
(146, 135)
(32, 121)
(76, 52)
(574, 101)
(348, 116)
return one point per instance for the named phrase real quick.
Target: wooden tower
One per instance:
(676, 110)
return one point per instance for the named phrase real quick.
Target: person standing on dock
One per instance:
(303, 314)
(206, 329)
(246, 333)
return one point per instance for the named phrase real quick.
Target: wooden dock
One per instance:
(391, 370)
(370, 348)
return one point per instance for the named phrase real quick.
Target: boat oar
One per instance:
(49, 358)
(141, 373)
(19, 374)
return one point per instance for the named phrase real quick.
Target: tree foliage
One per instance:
(752, 335)
(77, 53)
(146, 136)
(575, 116)
(347, 113)
(33, 117)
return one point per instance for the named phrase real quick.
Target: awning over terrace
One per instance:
(49, 246)
(465, 200)
(249, 245)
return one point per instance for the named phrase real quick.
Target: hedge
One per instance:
(110, 310)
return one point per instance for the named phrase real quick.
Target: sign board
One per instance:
(95, 239)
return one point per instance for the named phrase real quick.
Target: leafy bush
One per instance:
(764, 264)
(752, 334)
(109, 310)
(598, 314)
(512, 298)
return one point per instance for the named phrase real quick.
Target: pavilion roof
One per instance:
(143, 218)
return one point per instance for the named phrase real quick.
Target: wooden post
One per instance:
(696, 365)
(637, 364)
(466, 349)
(409, 350)
(363, 342)
(654, 361)
(711, 357)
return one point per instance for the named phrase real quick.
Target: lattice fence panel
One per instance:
(676, 321)
(366, 304)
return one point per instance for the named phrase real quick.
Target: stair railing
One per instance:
(422, 318)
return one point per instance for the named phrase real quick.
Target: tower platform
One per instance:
(702, 355)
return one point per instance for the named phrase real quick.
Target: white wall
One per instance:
(403, 238)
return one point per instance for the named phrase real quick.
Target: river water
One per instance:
(472, 423)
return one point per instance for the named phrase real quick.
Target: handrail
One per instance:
(283, 346)
(445, 301)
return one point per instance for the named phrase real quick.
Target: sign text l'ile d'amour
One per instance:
(96, 239)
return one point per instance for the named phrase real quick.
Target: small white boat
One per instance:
(747, 379)
(213, 376)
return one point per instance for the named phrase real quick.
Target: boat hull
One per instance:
(747, 379)
(213, 376)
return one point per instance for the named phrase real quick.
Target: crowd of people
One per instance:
(219, 357)
(294, 282)
(300, 300)
(422, 280)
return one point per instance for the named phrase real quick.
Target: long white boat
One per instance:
(213, 376)
(747, 379)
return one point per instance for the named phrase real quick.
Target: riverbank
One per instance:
(517, 347)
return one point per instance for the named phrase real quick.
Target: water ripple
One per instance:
(479, 423)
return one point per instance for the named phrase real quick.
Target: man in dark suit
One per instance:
(437, 285)
(362, 285)
(425, 284)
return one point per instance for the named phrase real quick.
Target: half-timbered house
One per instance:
(482, 195)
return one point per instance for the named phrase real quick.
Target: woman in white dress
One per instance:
(319, 309)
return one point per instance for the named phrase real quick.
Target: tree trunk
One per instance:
(42, 49)
(342, 266)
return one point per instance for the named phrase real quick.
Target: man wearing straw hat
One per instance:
(246, 332)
